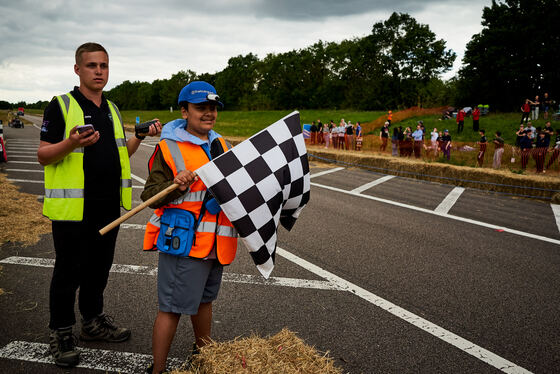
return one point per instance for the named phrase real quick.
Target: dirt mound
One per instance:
(401, 115)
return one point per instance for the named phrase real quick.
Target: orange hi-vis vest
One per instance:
(213, 228)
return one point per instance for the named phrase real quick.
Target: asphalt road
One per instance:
(402, 276)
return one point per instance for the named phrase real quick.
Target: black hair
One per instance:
(184, 104)
(499, 133)
(482, 131)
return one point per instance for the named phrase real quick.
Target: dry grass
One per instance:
(283, 353)
(21, 218)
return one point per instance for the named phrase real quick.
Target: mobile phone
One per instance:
(84, 128)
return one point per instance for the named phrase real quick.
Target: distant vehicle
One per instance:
(16, 123)
(20, 111)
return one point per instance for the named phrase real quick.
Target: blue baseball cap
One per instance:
(199, 92)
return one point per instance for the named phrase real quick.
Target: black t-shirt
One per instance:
(385, 132)
(548, 132)
(313, 128)
(482, 139)
(446, 138)
(102, 169)
(349, 130)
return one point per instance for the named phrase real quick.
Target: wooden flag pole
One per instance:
(126, 216)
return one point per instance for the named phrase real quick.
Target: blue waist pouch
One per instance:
(176, 232)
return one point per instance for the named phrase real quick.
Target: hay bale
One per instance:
(21, 215)
(282, 353)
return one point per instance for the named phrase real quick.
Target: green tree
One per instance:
(411, 55)
(237, 83)
(515, 55)
(170, 89)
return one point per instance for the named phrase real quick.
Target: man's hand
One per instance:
(84, 139)
(155, 129)
(184, 179)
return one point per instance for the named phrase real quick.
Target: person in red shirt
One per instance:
(460, 120)
(526, 110)
(475, 118)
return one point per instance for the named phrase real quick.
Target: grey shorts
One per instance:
(185, 282)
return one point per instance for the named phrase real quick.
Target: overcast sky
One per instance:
(153, 39)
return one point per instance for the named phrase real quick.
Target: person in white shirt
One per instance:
(434, 135)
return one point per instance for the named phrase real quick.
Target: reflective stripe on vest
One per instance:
(187, 156)
(64, 180)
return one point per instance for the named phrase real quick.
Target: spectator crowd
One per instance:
(540, 143)
(345, 135)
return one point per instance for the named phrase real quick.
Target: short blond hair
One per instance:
(88, 47)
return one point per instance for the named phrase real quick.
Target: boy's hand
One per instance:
(184, 179)
(84, 139)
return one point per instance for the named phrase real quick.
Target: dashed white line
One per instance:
(26, 170)
(24, 162)
(25, 181)
(324, 172)
(372, 184)
(152, 270)
(450, 200)
(444, 215)
(96, 359)
(556, 211)
(137, 178)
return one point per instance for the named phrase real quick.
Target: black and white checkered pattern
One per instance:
(260, 183)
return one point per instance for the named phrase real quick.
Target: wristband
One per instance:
(139, 137)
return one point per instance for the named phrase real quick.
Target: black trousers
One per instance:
(83, 260)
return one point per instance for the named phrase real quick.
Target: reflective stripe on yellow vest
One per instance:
(187, 156)
(64, 180)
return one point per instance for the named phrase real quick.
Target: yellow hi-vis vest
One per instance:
(64, 180)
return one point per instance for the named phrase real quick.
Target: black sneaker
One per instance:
(150, 370)
(102, 328)
(189, 363)
(62, 345)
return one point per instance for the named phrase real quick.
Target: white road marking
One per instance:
(24, 162)
(423, 324)
(556, 211)
(24, 181)
(96, 359)
(11, 148)
(450, 200)
(26, 170)
(152, 270)
(444, 215)
(135, 177)
(325, 172)
(132, 226)
(369, 185)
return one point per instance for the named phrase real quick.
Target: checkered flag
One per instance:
(261, 182)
